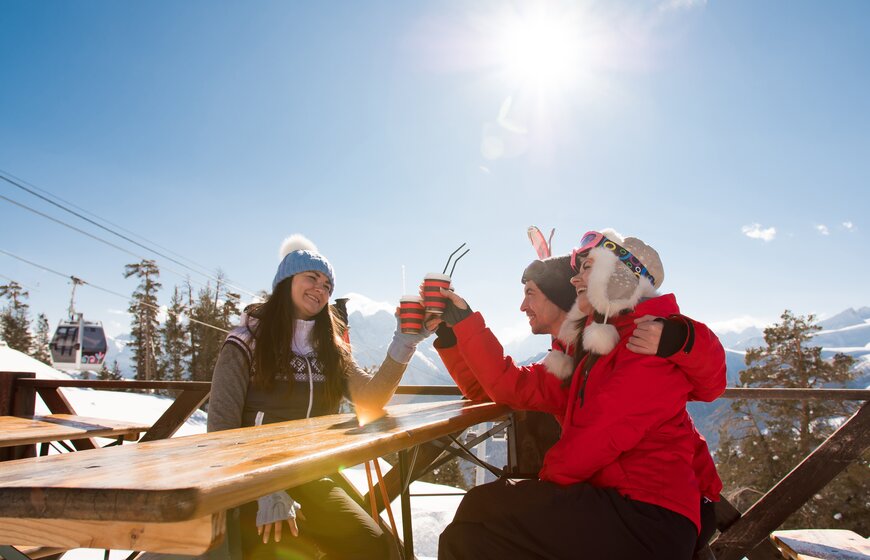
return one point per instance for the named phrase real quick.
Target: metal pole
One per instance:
(407, 530)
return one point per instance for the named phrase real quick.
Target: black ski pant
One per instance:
(543, 520)
(331, 526)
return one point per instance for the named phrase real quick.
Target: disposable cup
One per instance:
(411, 314)
(432, 298)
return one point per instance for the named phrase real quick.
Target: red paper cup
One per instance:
(432, 298)
(411, 314)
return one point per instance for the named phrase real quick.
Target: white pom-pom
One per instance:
(559, 364)
(296, 242)
(600, 338)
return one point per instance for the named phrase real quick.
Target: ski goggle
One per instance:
(593, 239)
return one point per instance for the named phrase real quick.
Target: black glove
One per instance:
(453, 314)
(445, 337)
(675, 332)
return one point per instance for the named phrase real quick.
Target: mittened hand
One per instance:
(403, 345)
(272, 510)
(457, 308)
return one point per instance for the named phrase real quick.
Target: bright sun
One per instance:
(540, 51)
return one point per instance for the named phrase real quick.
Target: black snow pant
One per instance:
(543, 520)
(331, 526)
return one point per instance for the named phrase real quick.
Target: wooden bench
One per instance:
(16, 430)
(821, 544)
(170, 495)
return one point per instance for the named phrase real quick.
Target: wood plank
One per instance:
(185, 478)
(60, 427)
(58, 404)
(837, 452)
(825, 544)
(177, 414)
(186, 537)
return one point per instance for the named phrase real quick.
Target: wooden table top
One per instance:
(15, 430)
(184, 478)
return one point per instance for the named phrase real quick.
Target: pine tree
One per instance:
(763, 440)
(204, 338)
(106, 374)
(176, 345)
(144, 331)
(213, 313)
(14, 322)
(40, 349)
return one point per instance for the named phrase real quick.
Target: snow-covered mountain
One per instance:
(371, 329)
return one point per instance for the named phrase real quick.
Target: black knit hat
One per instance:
(553, 277)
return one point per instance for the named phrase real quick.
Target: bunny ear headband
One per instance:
(543, 247)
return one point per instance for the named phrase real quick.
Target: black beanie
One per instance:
(553, 277)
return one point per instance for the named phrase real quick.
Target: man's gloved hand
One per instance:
(457, 308)
(658, 336)
(446, 338)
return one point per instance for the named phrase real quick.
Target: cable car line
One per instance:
(109, 243)
(122, 228)
(367, 350)
(124, 237)
(108, 291)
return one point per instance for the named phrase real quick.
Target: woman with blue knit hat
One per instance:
(287, 361)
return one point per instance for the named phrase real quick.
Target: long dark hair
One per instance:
(273, 335)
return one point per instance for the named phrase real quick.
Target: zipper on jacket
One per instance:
(587, 367)
(310, 388)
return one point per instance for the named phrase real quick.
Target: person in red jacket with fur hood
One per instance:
(620, 481)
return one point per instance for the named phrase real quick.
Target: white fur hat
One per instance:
(623, 272)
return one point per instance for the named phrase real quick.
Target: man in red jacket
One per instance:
(621, 480)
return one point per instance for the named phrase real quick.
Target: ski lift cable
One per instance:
(108, 291)
(367, 350)
(124, 237)
(86, 211)
(109, 243)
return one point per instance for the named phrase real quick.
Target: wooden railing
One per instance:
(741, 534)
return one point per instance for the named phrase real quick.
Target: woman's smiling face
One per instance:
(581, 284)
(309, 293)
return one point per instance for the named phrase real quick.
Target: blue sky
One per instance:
(731, 136)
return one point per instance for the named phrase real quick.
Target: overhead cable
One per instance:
(108, 291)
(122, 236)
(101, 240)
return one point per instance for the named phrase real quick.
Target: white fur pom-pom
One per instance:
(559, 364)
(600, 338)
(296, 242)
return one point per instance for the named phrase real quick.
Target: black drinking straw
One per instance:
(456, 261)
(450, 257)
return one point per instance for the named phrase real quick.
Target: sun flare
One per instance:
(542, 52)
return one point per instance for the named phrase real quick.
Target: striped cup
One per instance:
(432, 298)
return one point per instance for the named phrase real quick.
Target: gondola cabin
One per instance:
(78, 345)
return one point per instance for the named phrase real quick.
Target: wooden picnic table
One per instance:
(170, 495)
(16, 430)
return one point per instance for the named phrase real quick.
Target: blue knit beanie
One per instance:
(298, 254)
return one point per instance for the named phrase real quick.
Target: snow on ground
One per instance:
(111, 405)
(429, 514)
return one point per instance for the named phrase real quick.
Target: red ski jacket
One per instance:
(624, 425)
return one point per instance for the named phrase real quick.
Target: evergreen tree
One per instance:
(176, 347)
(213, 314)
(106, 374)
(14, 320)
(762, 440)
(206, 340)
(144, 331)
(40, 349)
